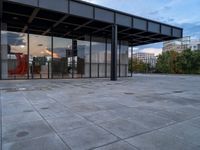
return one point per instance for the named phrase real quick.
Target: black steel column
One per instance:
(131, 61)
(1, 10)
(114, 53)
(90, 57)
(74, 52)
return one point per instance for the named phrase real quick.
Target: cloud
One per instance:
(191, 29)
(156, 51)
(16, 39)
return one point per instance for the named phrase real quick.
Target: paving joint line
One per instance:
(47, 122)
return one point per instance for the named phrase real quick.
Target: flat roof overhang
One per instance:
(75, 19)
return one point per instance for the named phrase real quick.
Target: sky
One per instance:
(181, 13)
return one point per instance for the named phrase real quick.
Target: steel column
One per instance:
(74, 51)
(114, 53)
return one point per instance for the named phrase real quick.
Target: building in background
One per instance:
(181, 44)
(178, 45)
(148, 58)
(195, 45)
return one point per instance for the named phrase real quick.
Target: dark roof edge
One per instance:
(124, 13)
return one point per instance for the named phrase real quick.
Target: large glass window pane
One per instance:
(98, 58)
(14, 55)
(124, 60)
(83, 59)
(118, 58)
(61, 53)
(108, 58)
(40, 56)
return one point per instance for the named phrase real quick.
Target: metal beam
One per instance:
(56, 24)
(31, 18)
(101, 29)
(114, 53)
(124, 30)
(83, 25)
(66, 23)
(79, 27)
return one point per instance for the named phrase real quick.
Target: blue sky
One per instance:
(182, 13)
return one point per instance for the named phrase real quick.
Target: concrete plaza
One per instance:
(146, 112)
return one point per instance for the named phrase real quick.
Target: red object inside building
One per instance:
(22, 65)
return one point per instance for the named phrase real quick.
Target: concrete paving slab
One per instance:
(24, 131)
(52, 110)
(153, 112)
(195, 122)
(158, 141)
(184, 131)
(48, 142)
(87, 138)
(124, 128)
(67, 123)
(26, 116)
(121, 145)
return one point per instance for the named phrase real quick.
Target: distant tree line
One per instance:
(138, 66)
(171, 62)
(186, 62)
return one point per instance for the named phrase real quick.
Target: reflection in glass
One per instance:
(98, 58)
(108, 58)
(61, 58)
(124, 60)
(14, 55)
(40, 56)
(82, 59)
(62, 62)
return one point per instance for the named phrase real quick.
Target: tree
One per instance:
(186, 62)
(138, 66)
(166, 62)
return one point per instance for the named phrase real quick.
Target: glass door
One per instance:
(61, 67)
(40, 57)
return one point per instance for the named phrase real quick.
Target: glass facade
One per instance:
(14, 55)
(98, 58)
(83, 60)
(62, 58)
(30, 56)
(40, 56)
(123, 56)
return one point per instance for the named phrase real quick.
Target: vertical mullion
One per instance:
(72, 53)
(90, 56)
(119, 59)
(131, 61)
(106, 56)
(1, 10)
(28, 53)
(52, 46)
